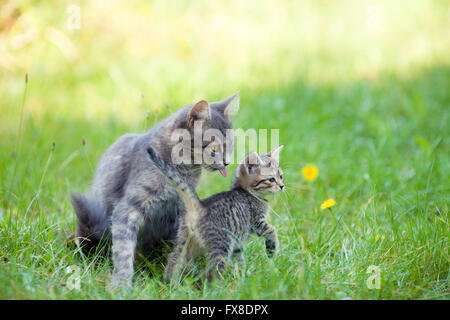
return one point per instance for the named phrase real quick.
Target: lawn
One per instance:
(360, 89)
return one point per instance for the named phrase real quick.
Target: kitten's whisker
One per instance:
(274, 212)
(286, 202)
(287, 189)
(300, 187)
(285, 205)
(287, 192)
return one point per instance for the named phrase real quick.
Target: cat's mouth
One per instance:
(223, 172)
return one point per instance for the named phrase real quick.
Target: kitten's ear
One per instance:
(275, 153)
(229, 106)
(253, 162)
(200, 111)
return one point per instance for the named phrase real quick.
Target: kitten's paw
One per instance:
(272, 246)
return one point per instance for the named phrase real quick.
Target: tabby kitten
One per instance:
(220, 224)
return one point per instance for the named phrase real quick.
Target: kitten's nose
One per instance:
(281, 187)
(226, 162)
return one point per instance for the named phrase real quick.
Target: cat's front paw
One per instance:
(118, 282)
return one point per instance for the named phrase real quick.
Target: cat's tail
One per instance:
(190, 199)
(93, 227)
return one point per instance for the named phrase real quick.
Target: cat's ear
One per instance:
(253, 162)
(275, 153)
(229, 106)
(200, 111)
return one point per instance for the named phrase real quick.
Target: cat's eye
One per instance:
(272, 179)
(281, 177)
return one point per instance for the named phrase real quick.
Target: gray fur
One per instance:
(92, 226)
(220, 224)
(129, 194)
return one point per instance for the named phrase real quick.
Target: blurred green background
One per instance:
(358, 88)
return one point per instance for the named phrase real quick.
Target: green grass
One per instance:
(377, 128)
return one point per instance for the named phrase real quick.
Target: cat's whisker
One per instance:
(285, 204)
(298, 187)
(286, 201)
(274, 212)
(287, 189)
(287, 192)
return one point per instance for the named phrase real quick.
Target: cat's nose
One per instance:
(281, 187)
(226, 162)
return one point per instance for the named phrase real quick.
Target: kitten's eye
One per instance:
(272, 180)
(281, 177)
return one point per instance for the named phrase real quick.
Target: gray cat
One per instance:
(130, 196)
(220, 224)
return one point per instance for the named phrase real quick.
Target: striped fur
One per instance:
(219, 225)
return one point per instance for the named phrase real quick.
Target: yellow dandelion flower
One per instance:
(156, 109)
(310, 172)
(377, 237)
(327, 204)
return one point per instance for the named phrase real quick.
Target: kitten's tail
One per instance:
(191, 201)
(93, 225)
